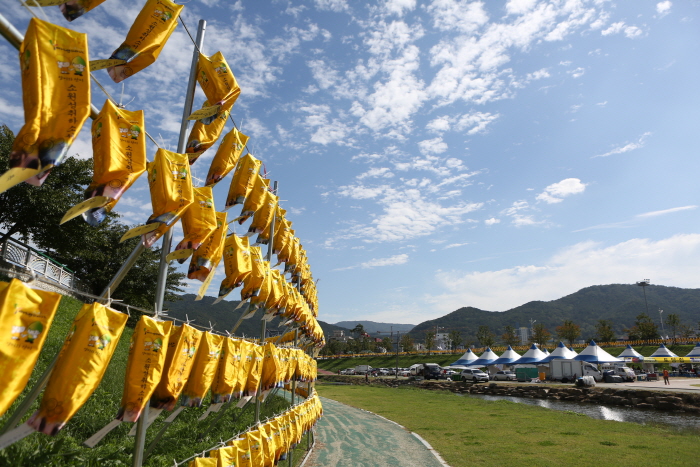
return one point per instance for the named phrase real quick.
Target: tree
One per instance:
(386, 343)
(540, 334)
(673, 321)
(406, 343)
(485, 336)
(686, 331)
(455, 339)
(510, 335)
(429, 340)
(569, 331)
(358, 330)
(93, 253)
(604, 330)
(647, 328)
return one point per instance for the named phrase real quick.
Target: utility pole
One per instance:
(644, 284)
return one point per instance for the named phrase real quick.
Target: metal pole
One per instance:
(294, 390)
(396, 372)
(141, 427)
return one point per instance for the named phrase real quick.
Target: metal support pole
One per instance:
(294, 390)
(141, 427)
(396, 371)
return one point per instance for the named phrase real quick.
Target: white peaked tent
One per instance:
(466, 359)
(695, 352)
(508, 357)
(630, 352)
(561, 352)
(487, 358)
(663, 351)
(594, 354)
(533, 355)
(545, 351)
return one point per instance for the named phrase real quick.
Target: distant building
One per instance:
(339, 335)
(524, 338)
(442, 341)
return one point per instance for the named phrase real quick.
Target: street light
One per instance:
(662, 322)
(643, 284)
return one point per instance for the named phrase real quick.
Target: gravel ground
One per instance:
(350, 437)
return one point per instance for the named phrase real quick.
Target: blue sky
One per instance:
(440, 154)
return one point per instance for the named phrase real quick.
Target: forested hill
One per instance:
(372, 327)
(620, 303)
(223, 316)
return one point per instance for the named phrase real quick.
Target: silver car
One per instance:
(505, 376)
(474, 375)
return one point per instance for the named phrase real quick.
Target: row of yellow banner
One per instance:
(268, 442)
(165, 361)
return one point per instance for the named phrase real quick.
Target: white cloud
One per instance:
(397, 7)
(332, 5)
(457, 15)
(492, 221)
(539, 74)
(476, 122)
(390, 261)
(577, 73)
(439, 124)
(555, 192)
(663, 8)
(627, 147)
(666, 211)
(616, 28)
(517, 216)
(376, 172)
(432, 146)
(454, 245)
(669, 261)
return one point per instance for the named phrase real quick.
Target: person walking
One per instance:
(666, 377)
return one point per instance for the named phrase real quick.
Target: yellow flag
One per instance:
(282, 231)
(80, 366)
(265, 287)
(56, 98)
(216, 79)
(146, 38)
(227, 155)
(226, 372)
(76, 8)
(269, 446)
(255, 198)
(206, 132)
(208, 256)
(242, 350)
(271, 367)
(254, 281)
(198, 221)
(144, 368)
(263, 217)
(119, 156)
(257, 454)
(171, 189)
(243, 178)
(182, 347)
(203, 462)
(25, 318)
(237, 261)
(203, 370)
(225, 457)
(255, 356)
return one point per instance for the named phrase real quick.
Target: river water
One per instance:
(619, 414)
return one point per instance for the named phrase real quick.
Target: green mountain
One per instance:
(223, 317)
(372, 327)
(620, 303)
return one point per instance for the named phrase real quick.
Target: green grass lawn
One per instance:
(405, 361)
(468, 431)
(184, 438)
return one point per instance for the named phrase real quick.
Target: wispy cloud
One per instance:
(667, 211)
(627, 147)
(555, 192)
(379, 262)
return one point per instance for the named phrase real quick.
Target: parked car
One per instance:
(474, 375)
(504, 376)
(432, 371)
(383, 372)
(448, 372)
(404, 372)
(347, 371)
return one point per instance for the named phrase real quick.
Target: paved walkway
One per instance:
(678, 384)
(350, 437)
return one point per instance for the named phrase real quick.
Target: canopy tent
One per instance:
(630, 352)
(487, 358)
(663, 351)
(695, 352)
(594, 354)
(533, 355)
(560, 353)
(466, 359)
(508, 357)
(545, 351)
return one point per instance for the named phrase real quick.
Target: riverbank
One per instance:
(611, 395)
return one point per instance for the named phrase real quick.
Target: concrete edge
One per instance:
(308, 453)
(430, 448)
(424, 442)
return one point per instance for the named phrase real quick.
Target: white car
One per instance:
(505, 376)
(474, 375)
(404, 372)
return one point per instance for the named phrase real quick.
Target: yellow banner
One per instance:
(208, 256)
(182, 347)
(255, 356)
(216, 79)
(226, 371)
(81, 364)
(205, 132)
(203, 370)
(203, 462)
(25, 319)
(146, 38)
(255, 199)
(227, 155)
(263, 217)
(237, 261)
(144, 368)
(198, 221)
(56, 98)
(662, 359)
(226, 457)
(254, 281)
(243, 179)
(171, 189)
(73, 8)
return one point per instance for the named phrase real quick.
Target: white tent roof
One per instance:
(561, 352)
(545, 351)
(594, 354)
(663, 351)
(508, 357)
(695, 352)
(466, 359)
(630, 352)
(487, 358)
(533, 355)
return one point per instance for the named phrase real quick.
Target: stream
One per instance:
(619, 414)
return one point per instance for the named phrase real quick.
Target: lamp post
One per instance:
(643, 284)
(663, 331)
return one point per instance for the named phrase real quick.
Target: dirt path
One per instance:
(350, 437)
